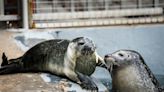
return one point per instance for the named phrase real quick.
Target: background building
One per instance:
(10, 13)
(73, 13)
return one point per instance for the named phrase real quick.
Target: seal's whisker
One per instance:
(111, 67)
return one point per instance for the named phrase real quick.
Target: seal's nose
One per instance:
(87, 48)
(106, 56)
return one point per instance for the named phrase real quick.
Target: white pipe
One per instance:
(1, 7)
(25, 14)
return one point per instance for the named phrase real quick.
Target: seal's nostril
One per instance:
(106, 56)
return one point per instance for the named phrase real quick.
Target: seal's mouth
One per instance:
(111, 62)
(87, 50)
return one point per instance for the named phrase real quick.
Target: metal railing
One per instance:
(43, 6)
(68, 13)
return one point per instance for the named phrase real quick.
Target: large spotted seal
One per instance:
(76, 60)
(130, 73)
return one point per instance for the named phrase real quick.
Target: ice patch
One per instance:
(45, 77)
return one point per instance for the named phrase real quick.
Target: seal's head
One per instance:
(83, 46)
(130, 73)
(121, 58)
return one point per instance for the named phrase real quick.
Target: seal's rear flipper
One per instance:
(4, 60)
(11, 69)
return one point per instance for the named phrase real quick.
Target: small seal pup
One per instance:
(76, 60)
(130, 73)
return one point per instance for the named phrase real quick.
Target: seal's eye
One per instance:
(120, 54)
(81, 43)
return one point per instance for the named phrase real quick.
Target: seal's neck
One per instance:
(71, 53)
(70, 56)
(123, 70)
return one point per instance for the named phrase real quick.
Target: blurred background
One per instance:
(78, 13)
(111, 24)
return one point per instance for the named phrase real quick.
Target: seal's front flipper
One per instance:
(87, 83)
(100, 61)
(10, 69)
(4, 60)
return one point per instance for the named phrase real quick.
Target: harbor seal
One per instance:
(130, 73)
(75, 59)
